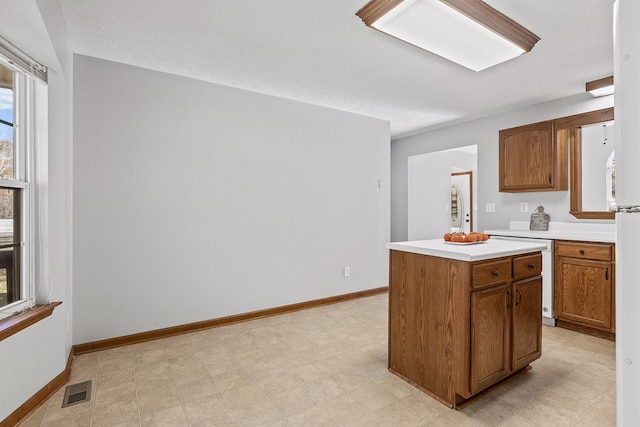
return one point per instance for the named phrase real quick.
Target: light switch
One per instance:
(524, 207)
(490, 207)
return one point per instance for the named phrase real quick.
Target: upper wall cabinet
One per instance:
(531, 159)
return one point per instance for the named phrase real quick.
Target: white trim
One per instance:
(16, 58)
(9, 183)
(16, 307)
(26, 134)
(39, 197)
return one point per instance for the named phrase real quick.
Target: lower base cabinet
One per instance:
(490, 336)
(527, 322)
(584, 292)
(456, 327)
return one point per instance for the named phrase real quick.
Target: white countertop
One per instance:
(467, 252)
(586, 232)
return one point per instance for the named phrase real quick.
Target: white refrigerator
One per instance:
(627, 186)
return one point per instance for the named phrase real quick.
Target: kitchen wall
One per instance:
(34, 356)
(484, 133)
(195, 201)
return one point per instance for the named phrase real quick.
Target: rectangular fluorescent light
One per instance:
(600, 87)
(468, 32)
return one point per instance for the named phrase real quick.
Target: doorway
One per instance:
(429, 190)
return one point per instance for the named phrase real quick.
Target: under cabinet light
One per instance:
(600, 87)
(468, 32)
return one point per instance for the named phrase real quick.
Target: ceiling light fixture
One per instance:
(468, 32)
(600, 87)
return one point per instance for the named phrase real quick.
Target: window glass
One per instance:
(6, 127)
(10, 289)
(13, 199)
(6, 153)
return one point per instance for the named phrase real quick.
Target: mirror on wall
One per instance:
(598, 167)
(592, 162)
(461, 207)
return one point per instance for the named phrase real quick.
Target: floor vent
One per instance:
(77, 393)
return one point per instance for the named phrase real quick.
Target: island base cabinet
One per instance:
(527, 323)
(506, 331)
(490, 335)
(421, 321)
(452, 335)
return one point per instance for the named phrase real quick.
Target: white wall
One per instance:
(33, 357)
(195, 201)
(429, 191)
(627, 104)
(36, 355)
(484, 133)
(60, 154)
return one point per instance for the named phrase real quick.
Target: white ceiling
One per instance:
(321, 53)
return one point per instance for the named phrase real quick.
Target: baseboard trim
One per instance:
(607, 335)
(221, 321)
(41, 396)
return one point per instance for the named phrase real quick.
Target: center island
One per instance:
(463, 317)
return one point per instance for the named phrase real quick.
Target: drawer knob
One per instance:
(496, 273)
(581, 251)
(532, 266)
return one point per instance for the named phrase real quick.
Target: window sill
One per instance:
(14, 324)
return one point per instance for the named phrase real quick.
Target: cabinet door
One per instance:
(490, 336)
(526, 336)
(584, 291)
(528, 159)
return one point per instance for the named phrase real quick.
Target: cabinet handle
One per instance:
(508, 299)
(606, 274)
(519, 297)
(532, 266)
(581, 251)
(549, 178)
(496, 273)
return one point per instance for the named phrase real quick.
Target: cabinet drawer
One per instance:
(597, 251)
(527, 266)
(489, 273)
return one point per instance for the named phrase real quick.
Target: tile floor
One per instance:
(324, 366)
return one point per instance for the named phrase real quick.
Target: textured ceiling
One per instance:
(319, 52)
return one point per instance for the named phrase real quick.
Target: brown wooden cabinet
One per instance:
(532, 159)
(490, 336)
(527, 322)
(584, 284)
(456, 327)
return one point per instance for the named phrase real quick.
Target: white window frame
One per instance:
(24, 90)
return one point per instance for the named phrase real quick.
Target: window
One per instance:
(17, 139)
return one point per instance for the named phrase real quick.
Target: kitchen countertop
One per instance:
(467, 252)
(586, 232)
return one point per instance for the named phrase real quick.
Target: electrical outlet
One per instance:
(490, 207)
(524, 206)
(346, 272)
